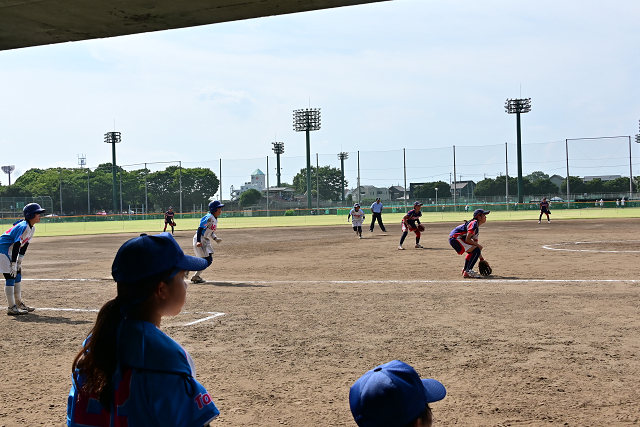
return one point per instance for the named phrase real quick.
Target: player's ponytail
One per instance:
(97, 361)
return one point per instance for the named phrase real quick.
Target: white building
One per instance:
(258, 182)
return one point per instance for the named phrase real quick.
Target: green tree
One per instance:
(534, 176)
(576, 185)
(543, 186)
(250, 197)
(428, 190)
(330, 182)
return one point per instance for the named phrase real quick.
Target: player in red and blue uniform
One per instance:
(544, 209)
(129, 372)
(464, 239)
(168, 219)
(410, 222)
(13, 245)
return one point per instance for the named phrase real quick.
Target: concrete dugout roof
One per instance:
(25, 23)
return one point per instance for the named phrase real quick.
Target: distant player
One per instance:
(357, 218)
(544, 209)
(168, 219)
(128, 371)
(622, 202)
(411, 222)
(464, 239)
(13, 245)
(205, 235)
(601, 203)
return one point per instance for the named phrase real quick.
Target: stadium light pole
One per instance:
(113, 138)
(278, 148)
(517, 107)
(307, 120)
(436, 188)
(8, 169)
(343, 156)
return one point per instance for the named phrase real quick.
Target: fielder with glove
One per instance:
(13, 245)
(168, 219)
(205, 235)
(411, 222)
(464, 239)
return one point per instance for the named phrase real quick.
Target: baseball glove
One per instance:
(485, 268)
(420, 228)
(173, 224)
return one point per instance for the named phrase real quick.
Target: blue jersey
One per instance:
(157, 386)
(20, 232)
(412, 216)
(463, 229)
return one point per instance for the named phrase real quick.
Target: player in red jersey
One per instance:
(464, 239)
(544, 209)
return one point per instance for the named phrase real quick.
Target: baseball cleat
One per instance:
(549, 221)
(359, 237)
(538, 222)
(15, 311)
(419, 246)
(197, 279)
(400, 248)
(23, 306)
(471, 275)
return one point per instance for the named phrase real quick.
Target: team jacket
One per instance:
(157, 386)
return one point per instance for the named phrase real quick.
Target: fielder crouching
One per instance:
(464, 239)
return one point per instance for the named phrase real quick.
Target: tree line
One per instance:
(71, 186)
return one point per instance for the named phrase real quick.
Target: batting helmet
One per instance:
(213, 206)
(31, 210)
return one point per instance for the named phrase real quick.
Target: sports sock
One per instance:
(8, 291)
(197, 273)
(404, 236)
(17, 291)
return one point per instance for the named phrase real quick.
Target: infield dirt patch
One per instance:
(552, 338)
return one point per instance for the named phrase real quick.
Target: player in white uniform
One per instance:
(204, 237)
(357, 218)
(13, 245)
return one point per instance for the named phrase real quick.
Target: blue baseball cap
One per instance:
(418, 204)
(213, 206)
(392, 395)
(480, 211)
(146, 256)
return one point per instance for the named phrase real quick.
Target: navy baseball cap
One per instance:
(392, 395)
(146, 256)
(480, 211)
(417, 204)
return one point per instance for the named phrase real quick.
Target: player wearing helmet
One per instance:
(205, 235)
(410, 222)
(357, 218)
(13, 245)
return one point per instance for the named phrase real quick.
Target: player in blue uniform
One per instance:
(544, 209)
(205, 235)
(168, 219)
(13, 245)
(410, 222)
(464, 239)
(129, 372)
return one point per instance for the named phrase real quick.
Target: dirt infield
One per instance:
(551, 339)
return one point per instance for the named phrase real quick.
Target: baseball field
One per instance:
(290, 317)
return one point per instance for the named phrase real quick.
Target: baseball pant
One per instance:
(378, 216)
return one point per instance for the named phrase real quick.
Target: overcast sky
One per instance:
(414, 74)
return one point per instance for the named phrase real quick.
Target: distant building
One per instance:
(603, 178)
(257, 183)
(463, 188)
(370, 192)
(396, 192)
(557, 180)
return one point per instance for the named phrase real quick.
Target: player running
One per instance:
(13, 245)
(544, 209)
(464, 239)
(357, 218)
(168, 219)
(411, 222)
(205, 235)
(128, 371)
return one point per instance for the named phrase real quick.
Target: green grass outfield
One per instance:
(46, 228)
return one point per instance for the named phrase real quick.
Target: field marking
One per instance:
(279, 282)
(213, 314)
(588, 250)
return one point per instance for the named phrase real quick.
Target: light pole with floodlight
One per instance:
(436, 196)
(343, 156)
(278, 148)
(307, 120)
(113, 138)
(518, 106)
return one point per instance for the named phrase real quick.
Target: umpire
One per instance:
(376, 213)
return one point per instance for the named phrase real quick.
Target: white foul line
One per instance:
(588, 250)
(203, 319)
(213, 313)
(363, 282)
